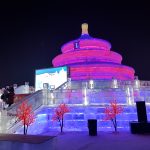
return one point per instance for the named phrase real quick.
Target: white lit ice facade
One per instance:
(88, 101)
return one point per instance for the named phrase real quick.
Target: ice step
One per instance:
(77, 118)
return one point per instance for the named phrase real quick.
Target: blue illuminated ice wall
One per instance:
(88, 102)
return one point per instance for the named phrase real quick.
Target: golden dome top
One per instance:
(84, 27)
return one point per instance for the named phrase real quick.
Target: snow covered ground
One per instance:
(82, 141)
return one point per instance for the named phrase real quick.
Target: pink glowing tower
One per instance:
(91, 58)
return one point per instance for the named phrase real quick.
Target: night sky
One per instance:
(31, 34)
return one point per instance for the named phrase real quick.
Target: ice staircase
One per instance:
(8, 119)
(76, 119)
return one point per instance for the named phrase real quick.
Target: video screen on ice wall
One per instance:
(53, 76)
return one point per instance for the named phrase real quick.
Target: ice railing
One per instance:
(94, 97)
(100, 92)
(8, 116)
(100, 84)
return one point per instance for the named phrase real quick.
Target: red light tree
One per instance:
(59, 114)
(112, 111)
(26, 115)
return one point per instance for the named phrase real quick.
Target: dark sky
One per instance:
(31, 34)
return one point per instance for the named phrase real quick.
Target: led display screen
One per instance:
(52, 77)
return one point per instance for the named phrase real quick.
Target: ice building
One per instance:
(93, 76)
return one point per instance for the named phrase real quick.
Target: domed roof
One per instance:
(85, 42)
(92, 58)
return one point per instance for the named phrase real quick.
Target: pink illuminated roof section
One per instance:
(87, 44)
(122, 73)
(87, 56)
(92, 58)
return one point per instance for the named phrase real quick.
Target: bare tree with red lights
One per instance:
(26, 115)
(112, 111)
(59, 114)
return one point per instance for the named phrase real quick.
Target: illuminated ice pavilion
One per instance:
(95, 78)
(92, 58)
